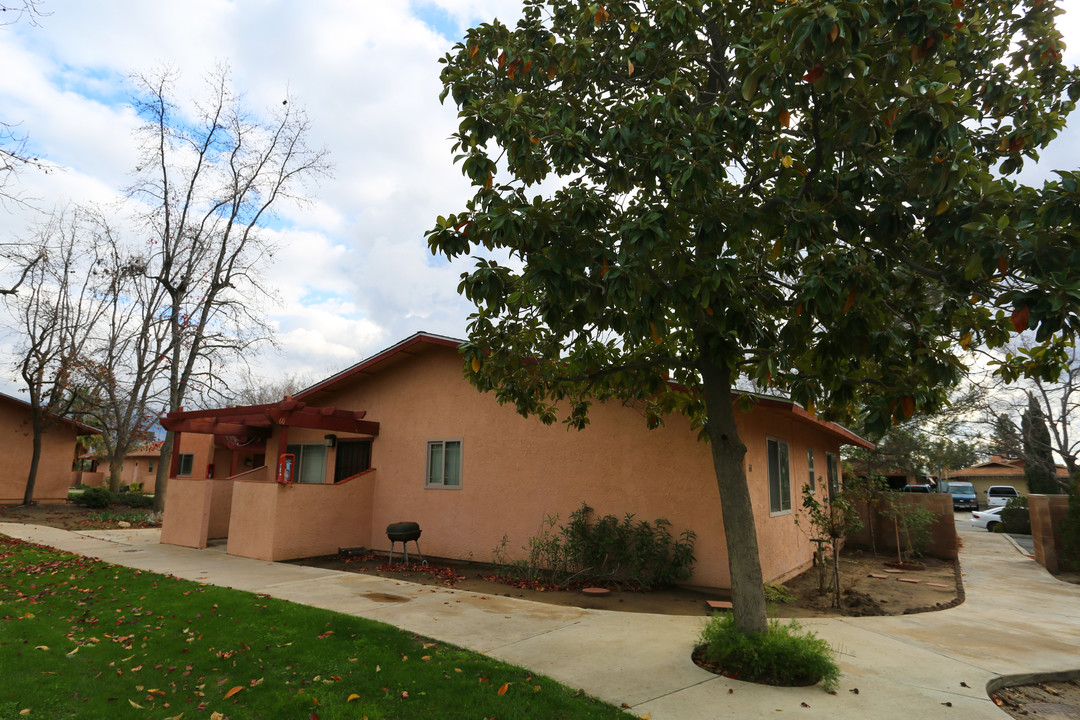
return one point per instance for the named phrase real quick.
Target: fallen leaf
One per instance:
(42, 647)
(235, 690)
(805, 705)
(175, 717)
(504, 688)
(25, 711)
(352, 697)
(216, 716)
(135, 704)
(964, 684)
(854, 690)
(947, 704)
(73, 651)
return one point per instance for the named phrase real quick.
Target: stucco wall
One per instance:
(1047, 514)
(943, 543)
(135, 469)
(16, 451)
(280, 522)
(186, 521)
(516, 471)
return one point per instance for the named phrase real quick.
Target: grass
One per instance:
(782, 656)
(81, 639)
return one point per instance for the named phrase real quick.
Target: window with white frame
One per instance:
(810, 464)
(832, 466)
(310, 462)
(184, 465)
(779, 476)
(443, 463)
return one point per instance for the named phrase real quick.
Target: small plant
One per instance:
(913, 522)
(95, 497)
(785, 655)
(135, 487)
(832, 519)
(778, 594)
(134, 517)
(1015, 516)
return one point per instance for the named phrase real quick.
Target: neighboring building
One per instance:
(418, 443)
(199, 455)
(998, 471)
(59, 449)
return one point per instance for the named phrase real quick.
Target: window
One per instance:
(810, 463)
(353, 456)
(832, 465)
(183, 468)
(779, 477)
(150, 466)
(443, 463)
(310, 462)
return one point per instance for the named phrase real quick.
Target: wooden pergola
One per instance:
(235, 427)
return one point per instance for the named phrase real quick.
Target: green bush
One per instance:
(95, 497)
(1015, 517)
(1070, 532)
(631, 553)
(134, 500)
(782, 656)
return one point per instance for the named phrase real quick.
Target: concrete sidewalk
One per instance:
(1017, 619)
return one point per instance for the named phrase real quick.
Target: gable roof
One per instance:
(421, 342)
(79, 427)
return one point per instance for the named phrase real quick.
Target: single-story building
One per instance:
(403, 436)
(59, 449)
(998, 471)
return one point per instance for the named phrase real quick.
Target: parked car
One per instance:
(963, 494)
(998, 495)
(916, 489)
(988, 519)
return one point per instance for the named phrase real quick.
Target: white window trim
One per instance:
(810, 462)
(768, 479)
(427, 463)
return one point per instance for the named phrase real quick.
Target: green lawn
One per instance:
(82, 639)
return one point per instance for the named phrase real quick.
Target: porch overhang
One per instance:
(257, 421)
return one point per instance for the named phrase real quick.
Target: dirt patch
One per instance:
(68, 516)
(1059, 699)
(863, 595)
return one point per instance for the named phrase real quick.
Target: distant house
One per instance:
(197, 453)
(403, 436)
(59, 449)
(998, 471)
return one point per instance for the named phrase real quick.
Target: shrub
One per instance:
(1070, 531)
(633, 553)
(782, 656)
(95, 497)
(1015, 516)
(778, 594)
(135, 500)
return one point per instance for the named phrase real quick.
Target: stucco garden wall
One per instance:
(1047, 514)
(943, 543)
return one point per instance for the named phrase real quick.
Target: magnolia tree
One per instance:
(813, 195)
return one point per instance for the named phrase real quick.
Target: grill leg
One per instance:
(418, 551)
(391, 561)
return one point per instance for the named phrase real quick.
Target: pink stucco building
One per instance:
(403, 436)
(59, 449)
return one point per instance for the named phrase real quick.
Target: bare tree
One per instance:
(1057, 395)
(130, 353)
(56, 316)
(209, 181)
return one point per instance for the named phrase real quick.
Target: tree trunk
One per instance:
(35, 460)
(164, 465)
(116, 468)
(728, 453)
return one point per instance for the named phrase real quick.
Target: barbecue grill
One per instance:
(403, 532)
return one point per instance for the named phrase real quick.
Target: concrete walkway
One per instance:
(1017, 619)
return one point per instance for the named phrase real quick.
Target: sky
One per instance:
(353, 272)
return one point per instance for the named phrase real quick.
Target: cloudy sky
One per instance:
(354, 272)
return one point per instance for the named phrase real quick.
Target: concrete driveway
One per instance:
(1017, 619)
